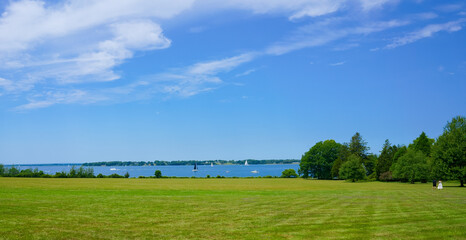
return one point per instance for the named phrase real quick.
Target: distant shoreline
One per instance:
(168, 163)
(192, 162)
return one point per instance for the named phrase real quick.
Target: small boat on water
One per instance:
(254, 171)
(113, 169)
(246, 163)
(195, 167)
(211, 164)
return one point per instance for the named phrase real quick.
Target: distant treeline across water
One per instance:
(192, 162)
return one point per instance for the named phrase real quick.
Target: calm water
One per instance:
(181, 171)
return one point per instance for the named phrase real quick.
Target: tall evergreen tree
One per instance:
(385, 159)
(358, 146)
(423, 144)
(343, 155)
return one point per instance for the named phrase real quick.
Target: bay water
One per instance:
(252, 170)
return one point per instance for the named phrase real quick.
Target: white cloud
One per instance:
(78, 40)
(26, 22)
(316, 9)
(427, 31)
(128, 37)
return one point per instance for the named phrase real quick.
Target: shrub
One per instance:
(386, 176)
(115, 176)
(158, 174)
(411, 167)
(289, 173)
(352, 169)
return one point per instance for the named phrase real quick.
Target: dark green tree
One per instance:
(289, 173)
(336, 168)
(412, 166)
(127, 175)
(158, 174)
(423, 144)
(358, 146)
(343, 155)
(318, 161)
(2, 170)
(369, 165)
(401, 150)
(352, 169)
(449, 152)
(385, 160)
(13, 172)
(73, 172)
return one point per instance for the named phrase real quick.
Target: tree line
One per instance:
(422, 160)
(74, 172)
(191, 162)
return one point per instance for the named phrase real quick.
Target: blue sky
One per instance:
(144, 80)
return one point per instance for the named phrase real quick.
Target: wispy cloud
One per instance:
(427, 31)
(213, 67)
(371, 4)
(197, 29)
(245, 73)
(346, 46)
(326, 31)
(450, 7)
(199, 77)
(425, 16)
(337, 64)
(50, 98)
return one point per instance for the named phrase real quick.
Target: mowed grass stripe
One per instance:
(227, 209)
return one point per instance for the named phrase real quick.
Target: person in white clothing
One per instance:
(440, 186)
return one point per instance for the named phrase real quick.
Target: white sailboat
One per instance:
(212, 164)
(195, 167)
(246, 163)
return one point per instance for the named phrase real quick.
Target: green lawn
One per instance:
(228, 209)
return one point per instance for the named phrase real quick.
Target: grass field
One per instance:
(228, 209)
